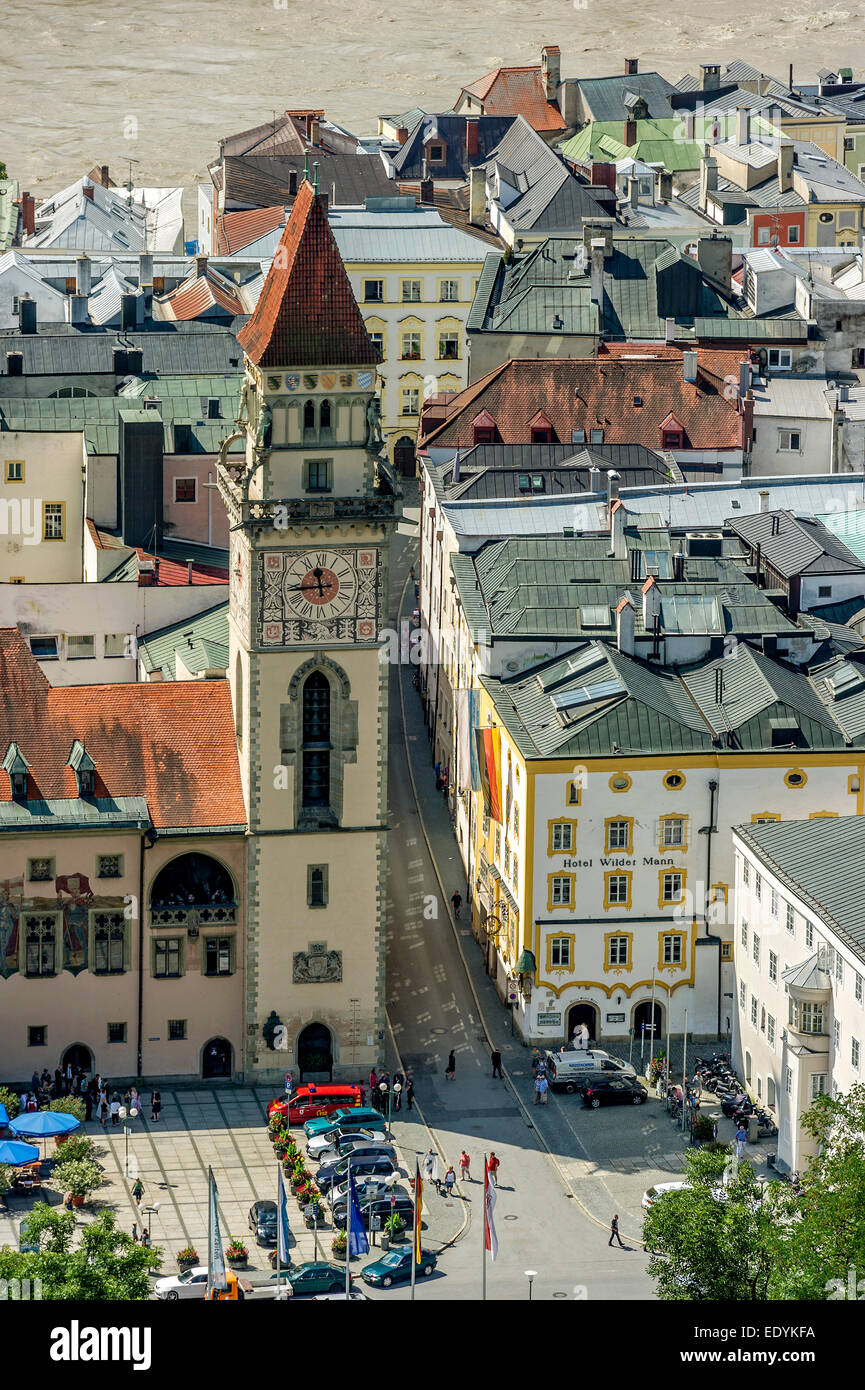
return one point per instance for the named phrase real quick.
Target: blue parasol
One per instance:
(13, 1153)
(44, 1123)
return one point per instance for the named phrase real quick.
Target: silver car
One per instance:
(359, 1147)
(192, 1283)
(328, 1143)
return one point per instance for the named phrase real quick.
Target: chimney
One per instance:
(612, 489)
(189, 564)
(689, 125)
(314, 131)
(710, 77)
(715, 259)
(471, 137)
(427, 191)
(128, 311)
(156, 570)
(603, 175)
(88, 191)
(665, 186)
(763, 495)
(103, 176)
(28, 214)
(743, 125)
(651, 602)
(83, 268)
(201, 265)
(625, 626)
(785, 167)
(551, 70)
(630, 135)
(618, 517)
(27, 314)
(594, 479)
(308, 122)
(597, 251)
(633, 191)
(477, 197)
(14, 364)
(844, 393)
(77, 308)
(708, 179)
(632, 67)
(669, 330)
(744, 379)
(292, 182)
(402, 134)
(679, 566)
(145, 268)
(689, 366)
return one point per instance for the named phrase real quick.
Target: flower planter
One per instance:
(76, 1200)
(236, 1261)
(183, 1264)
(60, 1139)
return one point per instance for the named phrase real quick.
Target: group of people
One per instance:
(98, 1100)
(433, 1173)
(379, 1098)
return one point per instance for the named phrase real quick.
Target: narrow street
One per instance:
(541, 1222)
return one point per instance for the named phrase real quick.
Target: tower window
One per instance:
(316, 741)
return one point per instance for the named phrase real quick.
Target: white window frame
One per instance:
(786, 443)
(560, 890)
(560, 951)
(781, 359)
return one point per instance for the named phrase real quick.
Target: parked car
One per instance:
(370, 1186)
(396, 1265)
(354, 1295)
(262, 1222)
(332, 1173)
(358, 1148)
(617, 1090)
(192, 1283)
(349, 1117)
(311, 1278)
(652, 1194)
(376, 1206)
(328, 1138)
(571, 1070)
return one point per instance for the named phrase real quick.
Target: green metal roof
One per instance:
(818, 861)
(115, 812)
(658, 141)
(204, 648)
(850, 527)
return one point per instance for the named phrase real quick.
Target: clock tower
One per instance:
(311, 509)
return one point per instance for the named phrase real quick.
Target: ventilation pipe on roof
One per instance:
(743, 125)
(83, 275)
(625, 625)
(189, 564)
(689, 366)
(763, 495)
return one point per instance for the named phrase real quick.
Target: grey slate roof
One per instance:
(605, 96)
(450, 128)
(554, 198)
(263, 181)
(104, 812)
(802, 544)
(171, 349)
(493, 470)
(820, 861)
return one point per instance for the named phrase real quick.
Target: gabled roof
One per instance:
(450, 129)
(236, 230)
(605, 96)
(171, 743)
(202, 294)
(551, 197)
(516, 92)
(203, 636)
(307, 314)
(262, 181)
(795, 545)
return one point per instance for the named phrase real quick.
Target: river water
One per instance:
(89, 82)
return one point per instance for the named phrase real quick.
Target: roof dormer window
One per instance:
(17, 766)
(84, 768)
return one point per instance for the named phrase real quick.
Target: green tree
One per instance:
(714, 1239)
(69, 1105)
(80, 1176)
(10, 1099)
(107, 1265)
(825, 1221)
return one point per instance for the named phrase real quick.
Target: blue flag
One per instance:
(357, 1241)
(282, 1225)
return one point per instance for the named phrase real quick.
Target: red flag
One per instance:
(418, 1208)
(490, 1238)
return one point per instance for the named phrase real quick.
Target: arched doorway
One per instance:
(216, 1058)
(582, 1013)
(404, 456)
(315, 1051)
(642, 1017)
(78, 1056)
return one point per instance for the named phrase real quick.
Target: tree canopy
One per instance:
(107, 1265)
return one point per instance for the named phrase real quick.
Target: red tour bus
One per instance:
(322, 1098)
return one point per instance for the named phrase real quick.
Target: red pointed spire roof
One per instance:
(307, 315)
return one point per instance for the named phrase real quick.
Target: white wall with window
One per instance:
(793, 429)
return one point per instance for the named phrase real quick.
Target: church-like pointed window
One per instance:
(316, 741)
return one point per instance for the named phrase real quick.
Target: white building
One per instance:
(800, 960)
(41, 506)
(794, 426)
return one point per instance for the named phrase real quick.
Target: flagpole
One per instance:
(414, 1228)
(484, 1231)
(348, 1206)
(209, 1230)
(278, 1230)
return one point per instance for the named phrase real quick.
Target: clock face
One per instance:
(319, 585)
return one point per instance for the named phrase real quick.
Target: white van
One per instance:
(566, 1071)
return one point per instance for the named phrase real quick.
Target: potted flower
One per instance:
(187, 1257)
(394, 1226)
(703, 1130)
(78, 1177)
(339, 1245)
(236, 1252)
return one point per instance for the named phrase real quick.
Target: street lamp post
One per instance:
(397, 1091)
(531, 1275)
(384, 1090)
(131, 1114)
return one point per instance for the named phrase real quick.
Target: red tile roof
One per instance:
(307, 315)
(517, 92)
(234, 230)
(173, 573)
(200, 293)
(171, 743)
(598, 393)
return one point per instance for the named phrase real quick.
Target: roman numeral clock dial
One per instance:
(319, 585)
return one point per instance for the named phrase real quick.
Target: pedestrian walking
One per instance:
(138, 1191)
(583, 1037)
(465, 1161)
(614, 1232)
(103, 1110)
(436, 1174)
(496, 1059)
(145, 1238)
(451, 1069)
(114, 1109)
(409, 1094)
(493, 1165)
(450, 1181)
(541, 1087)
(456, 902)
(135, 1231)
(398, 1081)
(155, 1105)
(429, 1163)
(373, 1084)
(741, 1136)
(537, 1089)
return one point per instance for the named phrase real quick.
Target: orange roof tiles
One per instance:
(307, 315)
(599, 394)
(200, 293)
(171, 743)
(235, 230)
(517, 92)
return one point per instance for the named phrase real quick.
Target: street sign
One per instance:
(376, 1223)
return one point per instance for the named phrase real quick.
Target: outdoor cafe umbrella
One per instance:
(16, 1154)
(43, 1123)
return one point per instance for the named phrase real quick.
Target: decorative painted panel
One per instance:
(318, 595)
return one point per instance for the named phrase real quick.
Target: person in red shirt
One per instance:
(493, 1168)
(465, 1175)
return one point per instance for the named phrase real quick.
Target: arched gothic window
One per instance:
(316, 741)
